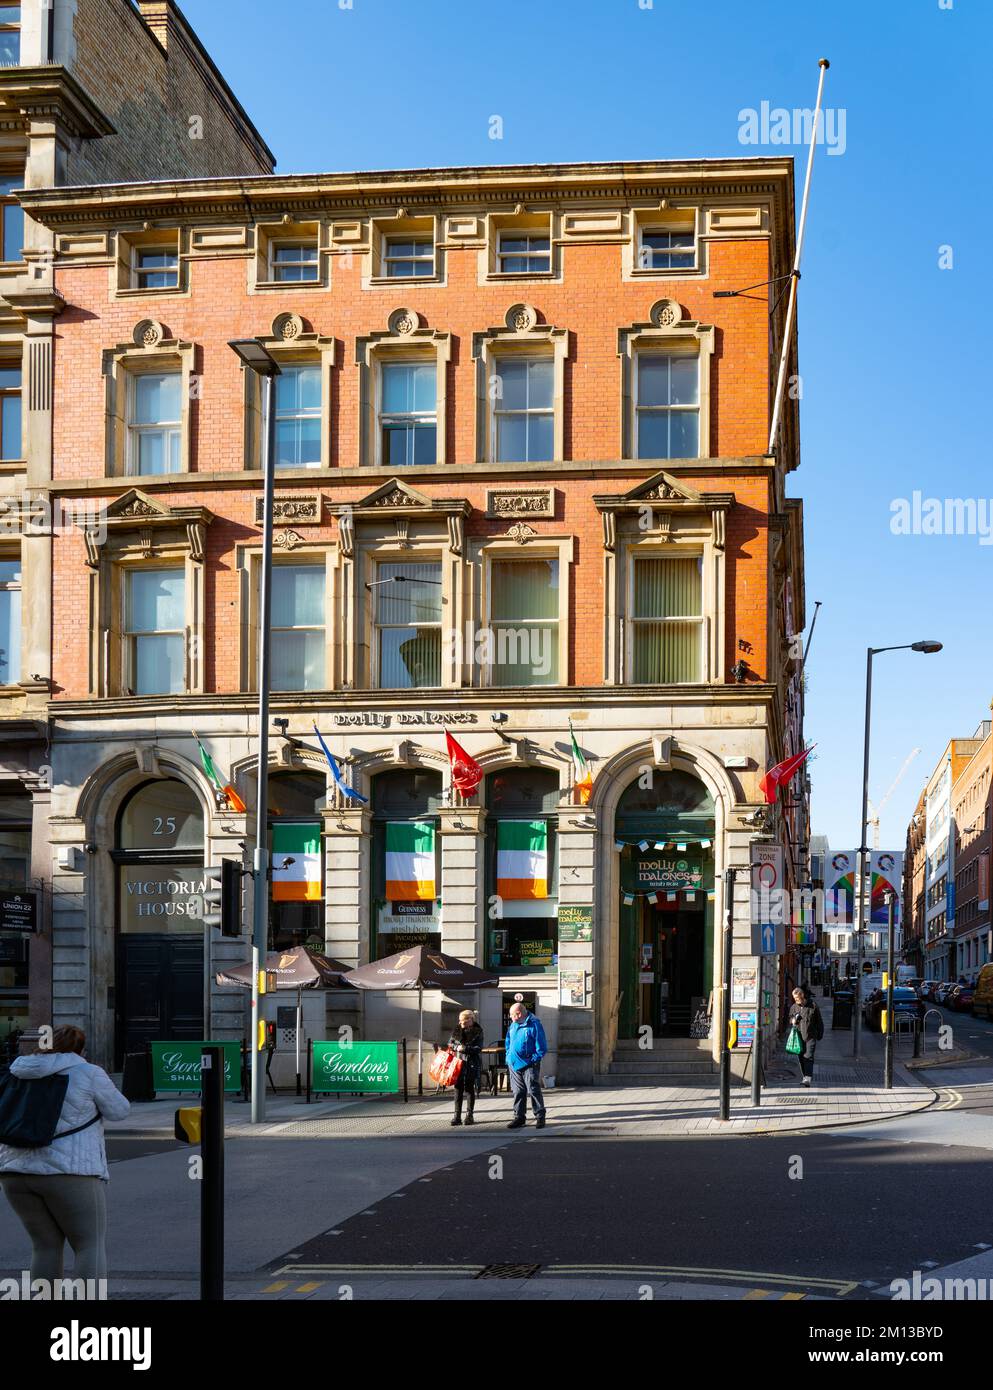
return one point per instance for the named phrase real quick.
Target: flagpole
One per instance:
(795, 273)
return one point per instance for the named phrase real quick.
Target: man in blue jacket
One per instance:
(526, 1046)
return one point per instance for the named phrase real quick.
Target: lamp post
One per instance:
(928, 648)
(255, 357)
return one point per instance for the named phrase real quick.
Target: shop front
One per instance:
(664, 836)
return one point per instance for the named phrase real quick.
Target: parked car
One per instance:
(905, 1002)
(982, 1000)
(961, 998)
(943, 991)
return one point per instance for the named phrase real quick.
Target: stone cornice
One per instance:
(642, 702)
(263, 197)
(756, 465)
(52, 93)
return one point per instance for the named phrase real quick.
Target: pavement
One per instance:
(327, 1229)
(844, 1092)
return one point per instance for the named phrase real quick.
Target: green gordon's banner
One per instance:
(176, 1065)
(362, 1066)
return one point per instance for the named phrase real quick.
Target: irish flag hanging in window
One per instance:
(302, 881)
(409, 860)
(522, 859)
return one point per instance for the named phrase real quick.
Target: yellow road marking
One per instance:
(757, 1293)
(278, 1286)
(788, 1296)
(309, 1288)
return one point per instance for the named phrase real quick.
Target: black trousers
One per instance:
(806, 1058)
(467, 1086)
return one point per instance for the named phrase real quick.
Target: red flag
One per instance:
(780, 775)
(466, 772)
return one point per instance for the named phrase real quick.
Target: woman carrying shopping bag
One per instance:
(806, 1031)
(467, 1044)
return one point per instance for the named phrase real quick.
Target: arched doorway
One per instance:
(665, 826)
(158, 858)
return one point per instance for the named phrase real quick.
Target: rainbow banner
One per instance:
(409, 861)
(522, 859)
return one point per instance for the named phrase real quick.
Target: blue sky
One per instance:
(891, 346)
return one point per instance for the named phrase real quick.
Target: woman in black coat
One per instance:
(467, 1042)
(806, 1018)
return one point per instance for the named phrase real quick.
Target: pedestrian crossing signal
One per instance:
(222, 897)
(188, 1123)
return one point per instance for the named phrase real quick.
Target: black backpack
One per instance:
(30, 1110)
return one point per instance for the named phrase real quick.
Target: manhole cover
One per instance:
(508, 1271)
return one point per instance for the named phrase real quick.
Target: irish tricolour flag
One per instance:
(522, 859)
(409, 860)
(302, 881)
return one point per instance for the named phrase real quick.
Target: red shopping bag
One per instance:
(445, 1068)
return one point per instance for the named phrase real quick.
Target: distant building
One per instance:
(972, 822)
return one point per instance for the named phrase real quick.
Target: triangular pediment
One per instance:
(661, 487)
(394, 494)
(135, 504)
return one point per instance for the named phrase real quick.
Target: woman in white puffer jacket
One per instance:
(59, 1192)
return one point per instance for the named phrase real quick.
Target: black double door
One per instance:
(160, 990)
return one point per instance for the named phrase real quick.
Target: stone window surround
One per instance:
(176, 239)
(404, 339)
(249, 563)
(12, 354)
(398, 224)
(524, 220)
(520, 334)
(10, 550)
(267, 233)
(684, 522)
(664, 216)
(142, 532)
(291, 343)
(150, 350)
(369, 554)
(521, 546)
(666, 328)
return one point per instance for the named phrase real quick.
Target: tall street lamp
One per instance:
(863, 854)
(255, 357)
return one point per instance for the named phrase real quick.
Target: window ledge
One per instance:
(522, 275)
(290, 284)
(644, 272)
(139, 292)
(393, 282)
(13, 465)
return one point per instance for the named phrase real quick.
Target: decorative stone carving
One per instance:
(664, 527)
(662, 492)
(196, 534)
(145, 541)
(665, 313)
(296, 507)
(521, 533)
(287, 540)
(402, 524)
(521, 318)
(346, 534)
(520, 502)
(720, 529)
(609, 530)
(137, 507)
(456, 533)
(288, 327)
(149, 333)
(396, 498)
(402, 322)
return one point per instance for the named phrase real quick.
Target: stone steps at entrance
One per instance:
(660, 1074)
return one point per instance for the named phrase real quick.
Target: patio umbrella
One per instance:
(420, 968)
(300, 968)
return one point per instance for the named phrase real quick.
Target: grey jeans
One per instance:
(524, 1083)
(56, 1208)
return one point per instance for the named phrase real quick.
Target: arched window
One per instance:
(522, 871)
(159, 850)
(406, 861)
(296, 847)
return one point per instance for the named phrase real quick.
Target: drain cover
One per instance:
(508, 1271)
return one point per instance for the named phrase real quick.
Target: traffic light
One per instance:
(222, 897)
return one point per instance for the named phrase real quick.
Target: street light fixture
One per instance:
(928, 648)
(255, 357)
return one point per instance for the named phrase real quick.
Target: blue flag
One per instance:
(342, 786)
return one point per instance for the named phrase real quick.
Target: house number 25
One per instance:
(164, 825)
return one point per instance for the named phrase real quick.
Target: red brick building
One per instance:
(523, 482)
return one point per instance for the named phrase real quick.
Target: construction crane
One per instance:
(874, 811)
